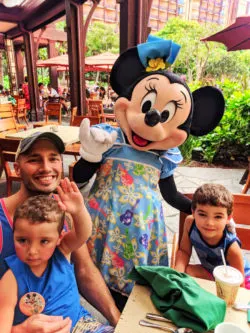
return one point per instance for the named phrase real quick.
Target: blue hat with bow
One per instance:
(156, 55)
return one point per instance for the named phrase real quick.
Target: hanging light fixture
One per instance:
(12, 3)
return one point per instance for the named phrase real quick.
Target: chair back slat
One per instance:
(21, 103)
(20, 110)
(8, 148)
(5, 107)
(7, 125)
(77, 120)
(6, 111)
(95, 108)
(6, 114)
(53, 109)
(9, 156)
(9, 144)
(241, 213)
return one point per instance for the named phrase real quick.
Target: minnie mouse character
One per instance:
(156, 112)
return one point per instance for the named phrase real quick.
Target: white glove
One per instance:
(94, 141)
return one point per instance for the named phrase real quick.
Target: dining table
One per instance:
(68, 134)
(139, 304)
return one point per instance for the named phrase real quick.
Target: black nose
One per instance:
(152, 117)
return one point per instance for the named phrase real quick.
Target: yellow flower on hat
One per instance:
(155, 65)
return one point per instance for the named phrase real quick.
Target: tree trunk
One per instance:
(202, 66)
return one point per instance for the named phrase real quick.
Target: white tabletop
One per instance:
(139, 303)
(68, 134)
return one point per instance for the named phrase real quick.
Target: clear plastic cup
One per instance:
(227, 282)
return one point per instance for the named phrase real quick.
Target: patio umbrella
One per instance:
(61, 60)
(100, 62)
(103, 60)
(235, 37)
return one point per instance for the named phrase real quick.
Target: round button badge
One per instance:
(31, 303)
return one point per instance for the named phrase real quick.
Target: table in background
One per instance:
(139, 303)
(68, 134)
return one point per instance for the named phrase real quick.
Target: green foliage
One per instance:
(43, 53)
(188, 34)
(231, 138)
(234, 65)
(233, 130)
(187, 147)
(229, 87)
(6, 82)
(61, 48)
(60, 25)
(101, 38)
(202, 61)
(43, 75)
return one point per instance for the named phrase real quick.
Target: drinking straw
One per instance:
(224, 261)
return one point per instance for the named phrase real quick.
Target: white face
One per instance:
(173, 103)
(41, 168)
(211, 222)
(35, 243)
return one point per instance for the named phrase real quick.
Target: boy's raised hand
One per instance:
(69, 197)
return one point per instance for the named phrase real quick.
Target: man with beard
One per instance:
(39, 164)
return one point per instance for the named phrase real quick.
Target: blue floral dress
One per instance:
(126, 210)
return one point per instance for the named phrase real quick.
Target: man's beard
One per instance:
(32, 190)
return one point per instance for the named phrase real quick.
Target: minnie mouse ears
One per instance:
(155, 55)
(208, 110)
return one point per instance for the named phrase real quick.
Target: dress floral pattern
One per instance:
(125, 207)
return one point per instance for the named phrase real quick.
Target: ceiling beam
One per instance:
(45, 14)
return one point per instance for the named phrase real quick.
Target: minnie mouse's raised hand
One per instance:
(94, 141)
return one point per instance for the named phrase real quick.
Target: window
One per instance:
(180, 10)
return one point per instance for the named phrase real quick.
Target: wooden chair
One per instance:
(51, 110)
(7, 120)
(247, 184)
(76, 120)
(95, 111)
(241, 213)
(8, 148)
(21, 111)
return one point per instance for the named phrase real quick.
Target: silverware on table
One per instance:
(154, 316)
(164, 328)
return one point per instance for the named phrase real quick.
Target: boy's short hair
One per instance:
(40, 209)
(214, 195)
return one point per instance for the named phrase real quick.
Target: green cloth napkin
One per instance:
(179, 298)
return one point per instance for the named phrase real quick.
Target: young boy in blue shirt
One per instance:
(40, 278)
(206, 230)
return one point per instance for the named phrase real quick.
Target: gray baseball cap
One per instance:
(28, 142)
